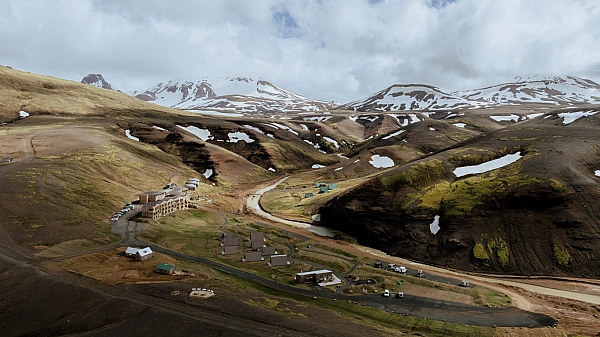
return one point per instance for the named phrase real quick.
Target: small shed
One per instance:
(131, 251)
(144, 254)
(320, 184)
(308, 195)
(163, 268)
(268, 251)
(314, 276)
(227, 242)
(323, 189)
(332, 186)
(229, 250)
(279, 260)
(252, 257)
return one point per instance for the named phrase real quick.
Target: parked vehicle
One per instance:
(464, 283)
(386, 293)
(378, 265)
(400, 269)
(419, 273)
(400, 294)
(390, 266)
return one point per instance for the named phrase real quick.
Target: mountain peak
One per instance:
(97, 80)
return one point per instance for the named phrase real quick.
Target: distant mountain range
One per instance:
(247, 95)
(240, 94)
(546, 90)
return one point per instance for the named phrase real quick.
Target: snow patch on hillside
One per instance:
(235, 137)
(570, 117)
(128, 134)
(203, 134)
(511, 117)
(487, 166)
(381, 161)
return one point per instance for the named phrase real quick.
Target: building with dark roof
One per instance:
(229, 242)
(253, 257)
(268, 251)
(164, 268)
(278, 260)
(257, 239)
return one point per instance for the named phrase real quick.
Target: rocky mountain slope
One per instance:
(536, 215)
(400, 97)
(96, 80)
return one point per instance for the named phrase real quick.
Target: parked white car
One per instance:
(391, 266)
(400, 294)
(386, 293)
(400, 269)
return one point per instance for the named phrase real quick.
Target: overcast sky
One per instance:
(338, 50)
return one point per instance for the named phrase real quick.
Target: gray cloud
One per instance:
(324, 49)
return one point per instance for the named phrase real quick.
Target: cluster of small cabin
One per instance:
(171, 198)
(323, 188)
(257, 252)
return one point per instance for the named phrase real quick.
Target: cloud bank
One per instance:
(338, 50)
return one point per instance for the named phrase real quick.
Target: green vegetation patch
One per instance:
(562, 255)
(418, 176)
(499, 246)
(480, 253)
(459, 198)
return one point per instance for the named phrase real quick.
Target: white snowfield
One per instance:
(208, 173)
(460, 125)
(487, 166)
(235, 137)
(128, 134)
(434, 227)
(381, 161)
(203, 134)
(570, 117)
(597, 173)
(511, 117)
(394, 134)
(159, 128)
(332, 141)
(253, 128)
(23, 114)
(318, 166)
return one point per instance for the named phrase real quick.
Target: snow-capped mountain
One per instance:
(400, 97)
(537, 89)
(239, 94)
(97, 80)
